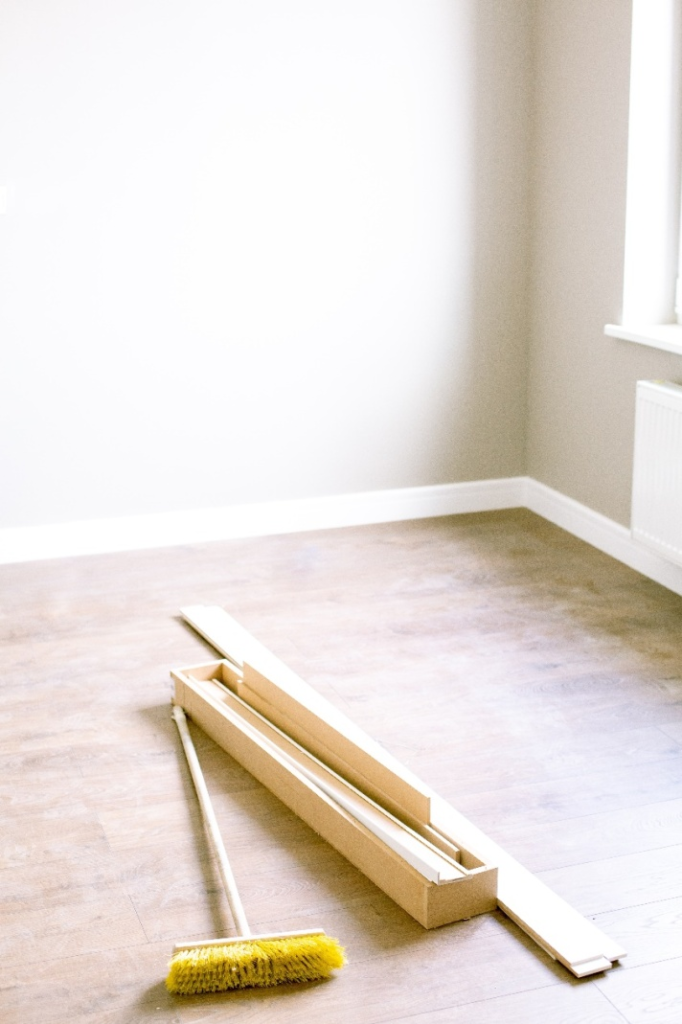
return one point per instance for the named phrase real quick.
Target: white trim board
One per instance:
(196, 526)
(602, 533)
(169, 529)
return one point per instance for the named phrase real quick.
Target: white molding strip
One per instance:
(602, 533)
(169, 529)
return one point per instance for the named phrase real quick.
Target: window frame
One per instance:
(651, 314)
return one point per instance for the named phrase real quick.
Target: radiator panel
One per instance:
(657, 469)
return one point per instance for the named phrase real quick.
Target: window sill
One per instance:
(664, 336)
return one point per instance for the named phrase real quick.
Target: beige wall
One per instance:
(582, 383)
(258, 250)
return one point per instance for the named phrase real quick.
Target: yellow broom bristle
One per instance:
(254, 963)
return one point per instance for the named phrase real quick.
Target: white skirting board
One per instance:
(134, 533)
(602, 533)
(196, 526)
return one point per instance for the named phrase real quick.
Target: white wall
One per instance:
(258, 250)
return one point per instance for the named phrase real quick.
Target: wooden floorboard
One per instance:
(530, 680)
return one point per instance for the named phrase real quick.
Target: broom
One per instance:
(248, 960)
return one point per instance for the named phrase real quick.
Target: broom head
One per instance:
(258, 961)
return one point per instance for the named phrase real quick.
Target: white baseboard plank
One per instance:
(196, 526)
(602, 533)
(169, 529)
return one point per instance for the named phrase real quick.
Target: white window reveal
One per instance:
(652, 297)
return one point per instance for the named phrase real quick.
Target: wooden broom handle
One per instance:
(211, 823)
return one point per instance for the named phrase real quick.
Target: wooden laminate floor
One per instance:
(530, 680)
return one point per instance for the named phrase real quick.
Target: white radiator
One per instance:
(657, 470)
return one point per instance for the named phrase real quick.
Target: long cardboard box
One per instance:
(466, 886)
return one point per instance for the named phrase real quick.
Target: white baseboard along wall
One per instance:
(134, 533)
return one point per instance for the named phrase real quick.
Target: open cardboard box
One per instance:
(434, 880)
